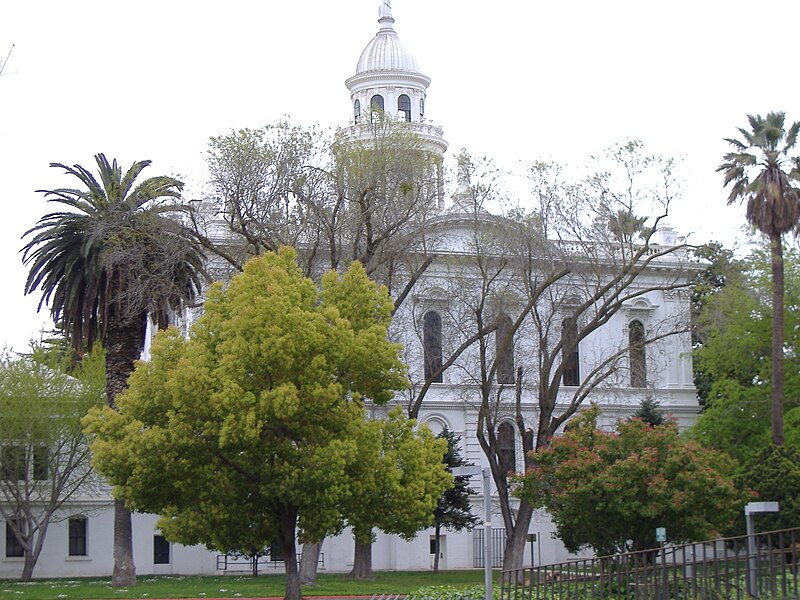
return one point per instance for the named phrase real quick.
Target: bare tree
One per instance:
(540, 306)
(335, 198)
(44, 455)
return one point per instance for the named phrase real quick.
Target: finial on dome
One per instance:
(385, 13)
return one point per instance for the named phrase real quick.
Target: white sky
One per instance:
(514, 80)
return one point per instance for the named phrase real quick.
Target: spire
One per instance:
(385, 14)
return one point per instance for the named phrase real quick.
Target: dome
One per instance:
(386, 52)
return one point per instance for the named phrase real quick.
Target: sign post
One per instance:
(487, 523)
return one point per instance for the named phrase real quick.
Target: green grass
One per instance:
(231, 586)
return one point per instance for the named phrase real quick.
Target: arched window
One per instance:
(404, 105)
(507, 447)
(376, 103)
(637, 359)
(504, 354)
(357, 111)
(432, 344)
(421, 109)
(569, 353)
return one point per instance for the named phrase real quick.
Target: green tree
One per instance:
(396, 484)
(735, 359)
(110, 258)
(774, 475)
(454, 510)
(44, 454)
(764, 174)
(610, 491)
(246, 430)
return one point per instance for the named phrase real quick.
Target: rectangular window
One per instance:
(12, 463)
(13, 547)
(160, 550)
(41, 463)
(77, 536)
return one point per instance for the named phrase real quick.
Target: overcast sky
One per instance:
(511, 79)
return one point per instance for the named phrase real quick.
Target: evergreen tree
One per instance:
(454, 510)
(650, 412)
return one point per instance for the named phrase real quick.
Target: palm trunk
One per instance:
(362, 561)
(124, 338)
(124, 574)
(777, 339)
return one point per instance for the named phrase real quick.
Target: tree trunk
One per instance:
(288, 522)
(309, 561)
(362, 561)
(436, 541)
(123, 342)
(124, 574)
(776, 396)
(515, 542)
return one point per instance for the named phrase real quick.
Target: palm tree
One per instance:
(765, 175)
(114, 256)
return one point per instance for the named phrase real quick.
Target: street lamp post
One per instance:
(750, 510)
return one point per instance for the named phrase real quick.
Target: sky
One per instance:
(514, 80)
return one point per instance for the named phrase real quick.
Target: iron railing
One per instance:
(714, 570)
(498, 547)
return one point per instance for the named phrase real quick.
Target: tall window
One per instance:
(77, 536)
(13, 547)
(507, 447)
(12, 463)
(504, 350)
(404, 105)
(569, 353)
(421, 108)
(160, 550)
(432, 344)
(41, 463)
(637, 359)
(357, 111)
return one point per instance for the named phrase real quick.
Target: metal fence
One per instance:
(765, 565)
(498, 547)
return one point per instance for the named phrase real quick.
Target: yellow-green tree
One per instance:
(396, 483)
(246, 430)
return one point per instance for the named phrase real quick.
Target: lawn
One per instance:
(232, 586)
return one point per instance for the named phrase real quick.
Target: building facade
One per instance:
(611, 328)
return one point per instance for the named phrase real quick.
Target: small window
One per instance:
(432, 345)
(404, 106)
(376, 106)
(507, 447)
(14, 548)
(12, 463)
(569, 353)
(504, 350)
(421, 108)
(357, 111)
(77, 536)
(638, 358)
(160, 550)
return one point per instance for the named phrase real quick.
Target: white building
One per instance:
(436, 317)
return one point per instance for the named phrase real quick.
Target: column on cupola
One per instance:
(387, 68)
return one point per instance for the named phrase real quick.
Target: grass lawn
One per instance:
(232, 586)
